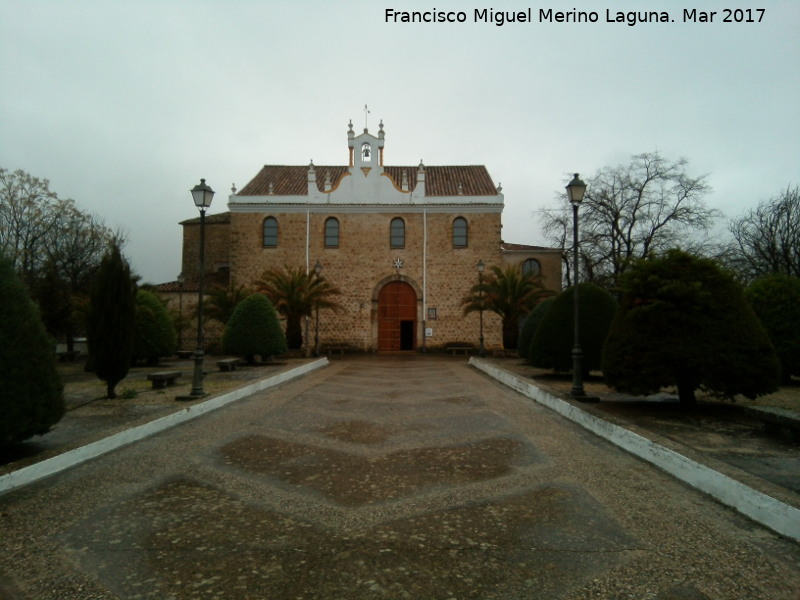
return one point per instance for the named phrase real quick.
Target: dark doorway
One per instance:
(406, 335)
(397, 313)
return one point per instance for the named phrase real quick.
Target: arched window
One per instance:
(332, 232)
(532, 267)
(460, 233)
(366, 152)
(270, 232)
(397, 233)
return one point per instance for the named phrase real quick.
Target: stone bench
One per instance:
(185, 353)
(465, 348)
(162, 379)
(777, 420)
(69, 355)
(228, 364)
(340, 348)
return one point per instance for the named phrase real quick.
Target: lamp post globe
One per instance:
(576, 190)
(202, 194)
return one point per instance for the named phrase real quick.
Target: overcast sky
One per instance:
(124, 106)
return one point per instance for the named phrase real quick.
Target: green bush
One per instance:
(31, 392)
(254, 329)
(683, 321)
(776, 302)
(530, 326)
(110, 325)
(154, 334)
(551, 347)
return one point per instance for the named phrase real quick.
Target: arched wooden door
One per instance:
(397, 317)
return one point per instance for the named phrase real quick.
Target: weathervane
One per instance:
(366, 112)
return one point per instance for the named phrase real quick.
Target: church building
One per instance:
(402, 243)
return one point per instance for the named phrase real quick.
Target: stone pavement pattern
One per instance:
(389, 477)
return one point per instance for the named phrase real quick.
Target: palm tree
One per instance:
(222, 301)
(509, 293)
(296, 294)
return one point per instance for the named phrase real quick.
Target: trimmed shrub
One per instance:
(776, 302)
(683, 321)
(530, 326)
(154, 334)
(111, 320)
(551, 347)
(31, 392)
(254, 329)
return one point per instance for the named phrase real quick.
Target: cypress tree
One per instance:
(31, 392)
(111, 320)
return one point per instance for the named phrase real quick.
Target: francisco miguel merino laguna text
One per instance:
(548, 15)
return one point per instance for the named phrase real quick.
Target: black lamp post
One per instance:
(317, 271)
(575, 191)
(481, 267)
(202, 195)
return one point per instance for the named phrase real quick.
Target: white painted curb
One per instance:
(62, 462)
(764, 509)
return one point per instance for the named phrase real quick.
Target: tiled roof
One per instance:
(192, 284)
(288, 180)
(439, 181)
(445, 181)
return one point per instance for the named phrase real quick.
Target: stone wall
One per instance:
(182, 306)
(217, 245)
(549, 260)
(364, 262)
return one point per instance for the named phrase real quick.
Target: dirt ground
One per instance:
(719, 430)
(91, 416)
(788, 396)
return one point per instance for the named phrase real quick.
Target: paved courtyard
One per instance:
(381, 477)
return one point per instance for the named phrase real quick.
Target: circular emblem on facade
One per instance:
(398, 263)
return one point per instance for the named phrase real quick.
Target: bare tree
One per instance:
(766, 239)
(79, 244)
(29, 214)
(73, 256)
(632, 211)
(53, 245)
(557, 225)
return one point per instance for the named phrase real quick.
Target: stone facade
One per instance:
(450, 219)
(364, 262)
(217, 243)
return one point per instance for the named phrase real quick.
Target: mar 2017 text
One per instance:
(549, 15)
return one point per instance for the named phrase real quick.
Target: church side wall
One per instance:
(550, 261)
(217, 247)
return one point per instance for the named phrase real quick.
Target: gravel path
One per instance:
(381, 477)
